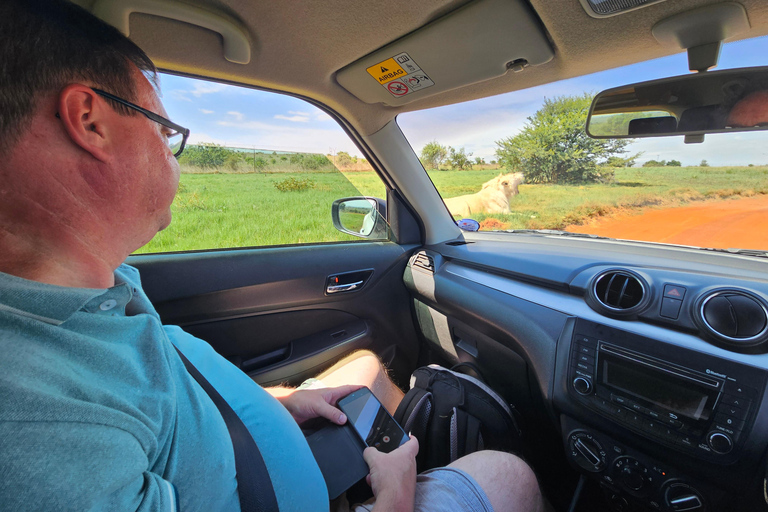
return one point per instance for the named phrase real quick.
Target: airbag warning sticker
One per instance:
(400, 75)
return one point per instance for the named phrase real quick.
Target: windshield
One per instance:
(522, 161)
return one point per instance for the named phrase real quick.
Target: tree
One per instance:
(479, 161)
(704, 163)
(459, 159)
(433, 154)
(674, 163)
(553, 146)
(655, 163)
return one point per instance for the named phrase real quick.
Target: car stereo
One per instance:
(693, 402)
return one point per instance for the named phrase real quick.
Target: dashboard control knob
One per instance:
(720, 442)
(631, 475)
(586, 451)
(682, 497)
(582, 385)
(632, 479)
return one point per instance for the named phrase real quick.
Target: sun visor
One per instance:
(482, 40)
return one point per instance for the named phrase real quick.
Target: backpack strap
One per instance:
(254, 487)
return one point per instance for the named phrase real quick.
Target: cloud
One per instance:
(201, 88)
(237, 115)
(180, 94)
(299, 113)
(294, 119)
(204, 111)
(322, 116)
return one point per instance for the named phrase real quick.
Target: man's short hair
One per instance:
(46, 45)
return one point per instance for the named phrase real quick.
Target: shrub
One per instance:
(553, 146)
(294, 184)
(207, 155)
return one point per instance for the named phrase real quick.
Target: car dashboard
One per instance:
(650, 360)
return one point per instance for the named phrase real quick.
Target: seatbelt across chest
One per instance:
(254, 487)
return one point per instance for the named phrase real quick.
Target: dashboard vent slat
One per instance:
(619, 291)
(734, 316)
(423, 260)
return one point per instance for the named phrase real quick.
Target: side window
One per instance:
(259, 169)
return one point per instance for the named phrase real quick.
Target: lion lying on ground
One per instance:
(492, 198)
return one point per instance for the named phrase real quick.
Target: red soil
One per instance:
(735, 223)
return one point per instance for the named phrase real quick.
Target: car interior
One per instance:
(638, 369)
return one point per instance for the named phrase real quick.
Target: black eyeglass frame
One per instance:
(152, 116)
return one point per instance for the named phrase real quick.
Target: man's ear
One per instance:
(87, 120)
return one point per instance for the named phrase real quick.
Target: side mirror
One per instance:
(364, 217)
(713, 102)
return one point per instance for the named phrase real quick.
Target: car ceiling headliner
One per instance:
(298, 46)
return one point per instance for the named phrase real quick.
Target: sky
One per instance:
(241, 117)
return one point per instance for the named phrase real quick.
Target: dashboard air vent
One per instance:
(620, 292)
(734, 316)
(423, 260)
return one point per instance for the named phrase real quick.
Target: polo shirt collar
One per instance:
(56, 304)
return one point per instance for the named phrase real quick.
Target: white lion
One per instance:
(492, 198)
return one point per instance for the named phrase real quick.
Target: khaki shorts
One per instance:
(439, 490)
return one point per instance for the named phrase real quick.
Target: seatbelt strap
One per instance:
(253, 483)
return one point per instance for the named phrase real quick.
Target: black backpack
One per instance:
(453, 414)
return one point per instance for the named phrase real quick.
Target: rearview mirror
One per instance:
(364, 217)
(712, 102)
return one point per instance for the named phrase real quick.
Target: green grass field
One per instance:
(245, 210)
(557, 206)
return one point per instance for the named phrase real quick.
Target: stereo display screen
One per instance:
(673, 393)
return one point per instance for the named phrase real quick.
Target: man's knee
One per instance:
(509, 482)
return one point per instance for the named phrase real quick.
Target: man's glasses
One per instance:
(178, 133)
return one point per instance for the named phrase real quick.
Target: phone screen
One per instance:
(372, 421)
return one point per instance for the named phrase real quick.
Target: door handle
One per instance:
(343, 287)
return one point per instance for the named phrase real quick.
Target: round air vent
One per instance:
(618, 292)
(734, 316)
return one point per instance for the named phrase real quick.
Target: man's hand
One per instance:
(393, 476)
(306, 404)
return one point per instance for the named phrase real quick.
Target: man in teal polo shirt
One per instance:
(97, 411)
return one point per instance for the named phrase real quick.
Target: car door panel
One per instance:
(267, 309)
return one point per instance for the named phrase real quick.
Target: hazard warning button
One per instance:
(674, 291)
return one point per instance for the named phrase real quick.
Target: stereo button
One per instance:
(586, 340)
(578, 348)
(584, 358)
(589, 368)
(621, 400)
(738, 401)
(729, 421)
(737, 390)
(734, 412)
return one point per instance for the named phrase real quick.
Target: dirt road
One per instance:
(734, 223)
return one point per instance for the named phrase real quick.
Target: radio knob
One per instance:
(719, 442)
(582, 386)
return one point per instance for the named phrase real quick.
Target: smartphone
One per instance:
(375, 426)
